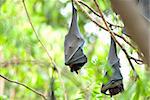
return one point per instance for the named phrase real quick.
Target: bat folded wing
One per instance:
(77, 60)
(74, 56)
(114, 83)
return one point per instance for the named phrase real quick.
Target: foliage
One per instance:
(22, 58)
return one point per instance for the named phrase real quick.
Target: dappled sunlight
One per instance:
(32, 53)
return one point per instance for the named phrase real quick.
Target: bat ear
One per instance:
(114, 84)
(74, 56)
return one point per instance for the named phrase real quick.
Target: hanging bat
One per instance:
(74, 56)
(114, 84)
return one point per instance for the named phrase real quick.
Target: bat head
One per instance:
(114, 87)
(76, 66)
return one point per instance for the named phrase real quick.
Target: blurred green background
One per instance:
(22, 57)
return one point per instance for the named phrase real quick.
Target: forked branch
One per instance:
(93, 20)
(92, 10)
(112, 35)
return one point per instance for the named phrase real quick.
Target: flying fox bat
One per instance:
(114, 84)
(74, 56)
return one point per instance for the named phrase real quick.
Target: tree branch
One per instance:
(92, 10)
(36, 34)
(93, 20)
(140, 62)
(112, 35)
(19, 61)
(87, 14)
(50, 58)
(27, 87)
(135, 24)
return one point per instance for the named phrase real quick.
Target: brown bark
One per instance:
(137, 26)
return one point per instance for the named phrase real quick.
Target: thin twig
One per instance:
(87, 14)
(29, 88)
(51, 60)
(140, 62)
(112, 35)
(92, 10)
(125, 41)
(19, 61)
